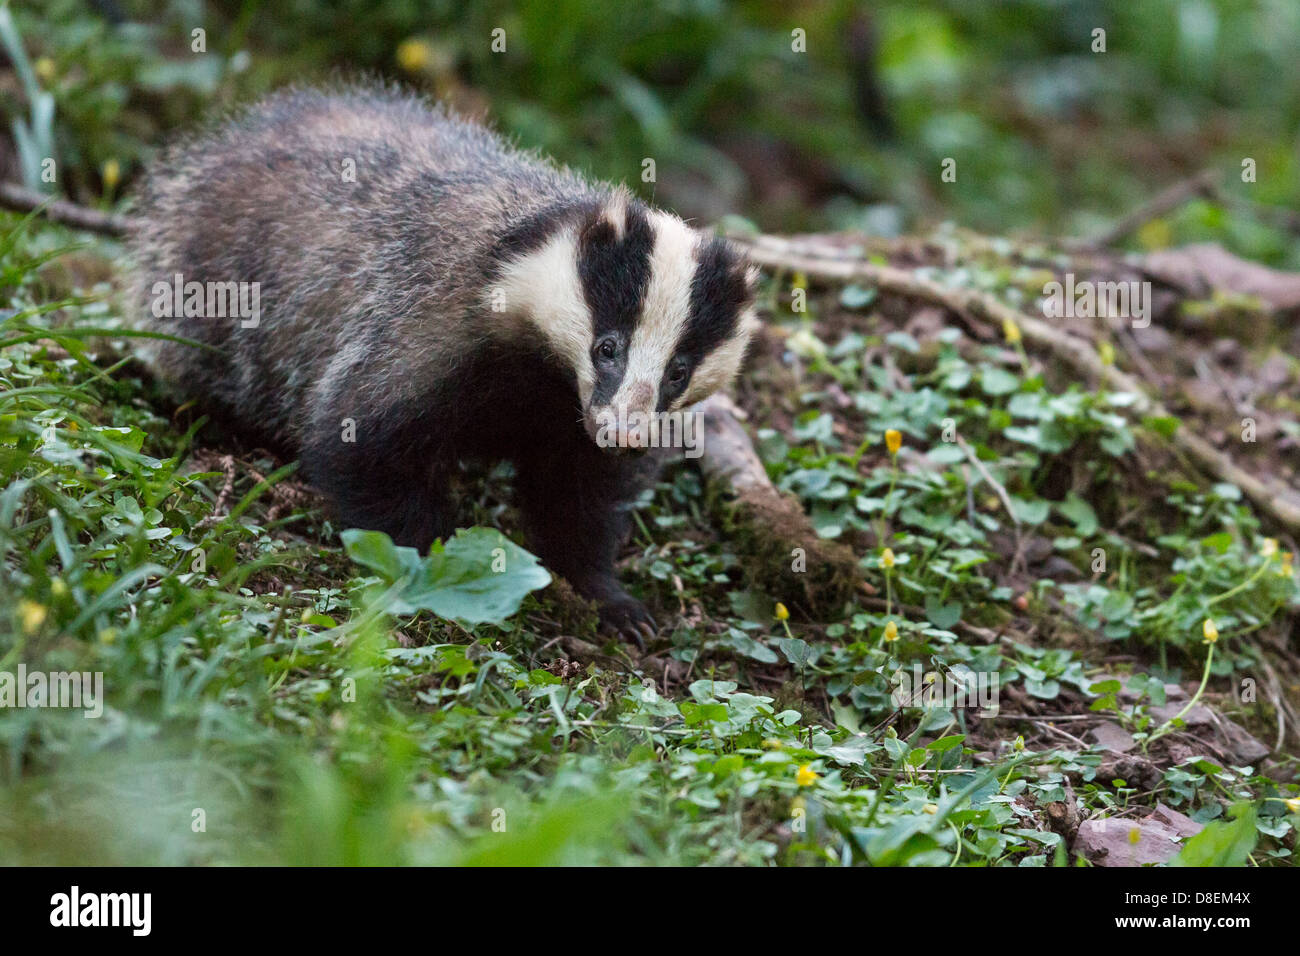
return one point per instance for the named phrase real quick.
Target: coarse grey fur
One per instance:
(264, 199)
(379, 232)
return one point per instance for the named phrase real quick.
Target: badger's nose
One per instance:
(620, 429)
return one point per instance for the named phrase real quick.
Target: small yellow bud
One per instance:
(891, 631)
(1293, 804)
(1011, 330)
(805, 776)
(782, 612)
(1020, 743)
(1106, 352)
(931, 808)
(108, 635)
(1134, 836)
(44, 69)
(413, 55)
(893, 440)
(1210, 630)
(111, 174)
(31, 615)
(887, 558)
(59, 588)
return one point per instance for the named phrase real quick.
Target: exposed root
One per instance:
(1281, 504)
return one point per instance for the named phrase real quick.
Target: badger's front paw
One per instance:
(628, 618)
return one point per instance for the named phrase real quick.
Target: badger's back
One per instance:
(367, 220)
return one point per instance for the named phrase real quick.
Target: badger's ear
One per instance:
(752, 278)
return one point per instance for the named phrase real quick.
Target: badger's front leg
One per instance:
(383, 473)
(574, 499)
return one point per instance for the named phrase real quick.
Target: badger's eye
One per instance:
(607, 349)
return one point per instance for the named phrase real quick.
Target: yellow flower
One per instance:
(1210, 630)
(782, 612)
(1269, 547)
(1011, 330)
(1293, 804)
(1134, 836)
(893, 440)
(887, 558)
(111, 173)
(413, 55)
(44, 69)
(805, 776)
(31, 615)
(891, 631)
(1020, 743)
(931, 808)
(58, 587)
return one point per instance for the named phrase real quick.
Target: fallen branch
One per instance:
(18, 199)
(781, 550)
(1279, 503)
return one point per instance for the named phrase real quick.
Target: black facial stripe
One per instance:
(719, 291)
(670, 391)
(531, 232)
(615, 273)
(609, 377)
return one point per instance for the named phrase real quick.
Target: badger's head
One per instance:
(649, 315)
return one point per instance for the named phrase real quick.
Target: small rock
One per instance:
(1114, 842)
(1111, 736)
(1180, 823)
(1197, 716)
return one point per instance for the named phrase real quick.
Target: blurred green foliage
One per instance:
(1047, 134)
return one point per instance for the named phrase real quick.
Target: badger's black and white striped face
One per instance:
(650, 315)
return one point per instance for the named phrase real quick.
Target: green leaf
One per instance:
(1029, 511)
(1162, 425)
(856, 296)
(1080, 513)
(997, 381)
(1222, 843)
(796, 650)
(942, 615)
(479, 576)
(376, 551)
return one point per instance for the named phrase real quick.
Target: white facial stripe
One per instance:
(544, 285)
(616, 212)
(667, 308)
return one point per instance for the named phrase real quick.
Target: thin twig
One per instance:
(19, 199)
(1204, 183)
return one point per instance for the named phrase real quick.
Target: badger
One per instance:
(428, 294)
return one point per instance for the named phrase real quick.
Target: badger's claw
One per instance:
(628, 618)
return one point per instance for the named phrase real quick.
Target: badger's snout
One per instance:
(621, 429)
